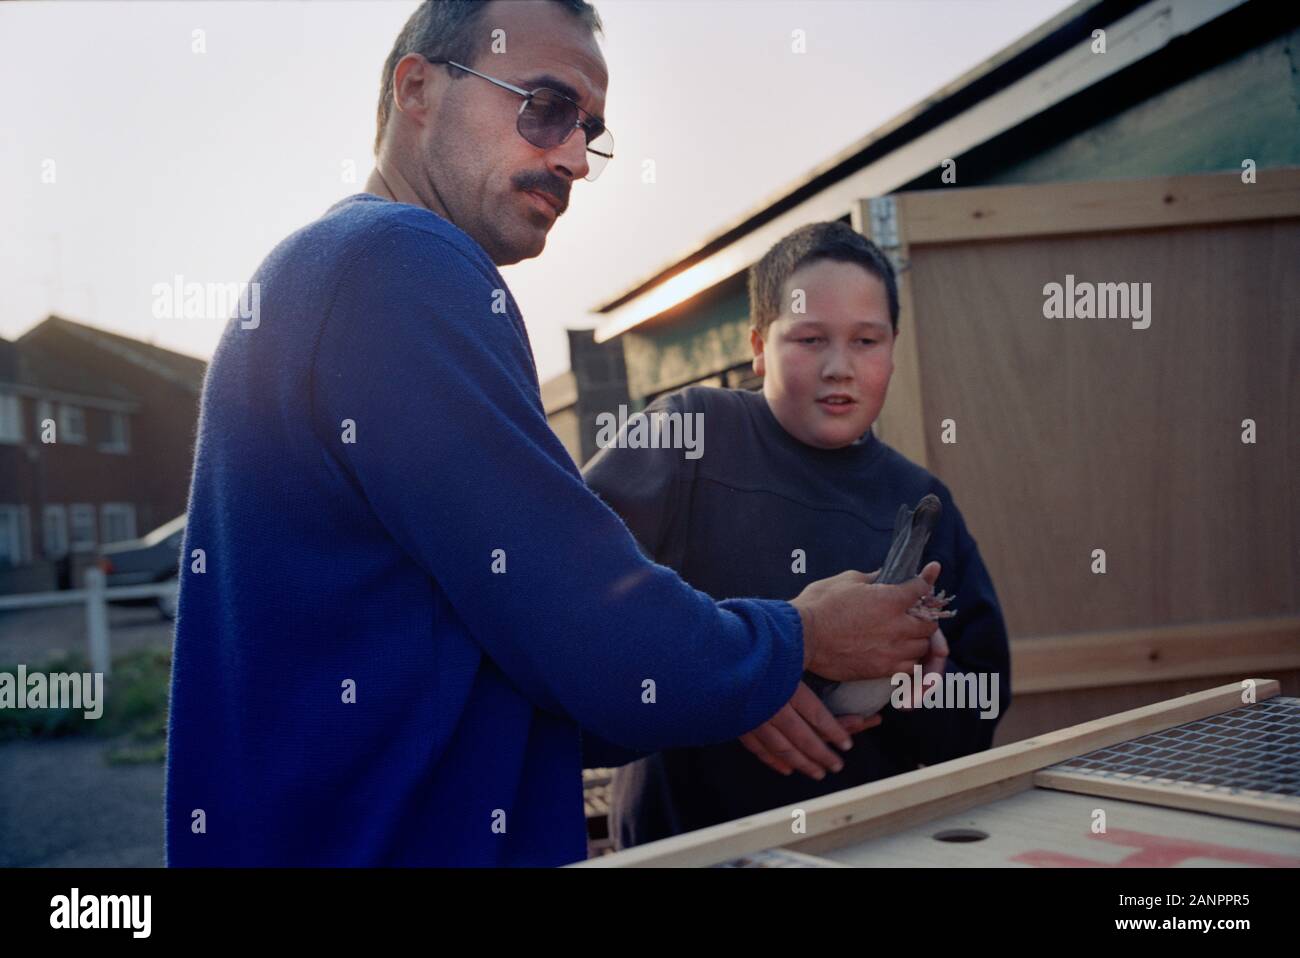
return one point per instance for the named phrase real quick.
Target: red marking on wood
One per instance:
(1155, 851)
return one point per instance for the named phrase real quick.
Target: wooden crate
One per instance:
(1081, 434)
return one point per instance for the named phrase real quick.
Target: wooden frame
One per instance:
(901, 422)
(997, 212)
(893, 803)
(1132, 656)
(1174, 795)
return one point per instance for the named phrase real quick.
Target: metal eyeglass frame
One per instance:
(579, 124)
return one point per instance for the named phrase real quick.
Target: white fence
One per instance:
(96, 598)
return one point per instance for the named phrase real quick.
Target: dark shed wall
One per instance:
(1247, 108)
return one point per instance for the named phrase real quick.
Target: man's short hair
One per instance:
(452, 30)
(817, 241)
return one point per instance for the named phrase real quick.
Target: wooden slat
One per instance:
(1132, 656)
(901, 422)
(949, 216)
(852, 806)
(904, 818)
(1242, 805)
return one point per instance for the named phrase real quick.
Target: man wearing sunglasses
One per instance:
(404, 621)
(504, 191)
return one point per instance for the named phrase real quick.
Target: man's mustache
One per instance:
(549, 184)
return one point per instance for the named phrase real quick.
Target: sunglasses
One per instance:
(548, 118)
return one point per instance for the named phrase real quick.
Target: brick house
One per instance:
(96, 444)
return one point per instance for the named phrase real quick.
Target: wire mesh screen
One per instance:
(1253, 750)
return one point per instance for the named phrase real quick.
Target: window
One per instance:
(83, 527)
(119, 435)
(11, 418)
(14, 544)
(116, 522)
(25, 528)
(72, 424)
(44, 411)
(55, 532)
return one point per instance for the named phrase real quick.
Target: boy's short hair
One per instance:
(816, 241)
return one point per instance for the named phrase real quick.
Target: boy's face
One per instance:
(826, 369)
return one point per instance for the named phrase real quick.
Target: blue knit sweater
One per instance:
(402, 613)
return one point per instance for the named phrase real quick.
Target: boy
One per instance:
(793, 486)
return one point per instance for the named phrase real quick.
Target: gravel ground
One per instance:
(61, 804)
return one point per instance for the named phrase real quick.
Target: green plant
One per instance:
(135, 705)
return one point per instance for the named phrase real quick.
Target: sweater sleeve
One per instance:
(423, 352)
(977, 641)
(640, 485)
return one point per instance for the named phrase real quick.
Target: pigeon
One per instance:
(912, 531)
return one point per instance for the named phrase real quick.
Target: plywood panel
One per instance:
(1083, 434)
(1043, 828)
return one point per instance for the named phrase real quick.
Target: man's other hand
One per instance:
(795, 738)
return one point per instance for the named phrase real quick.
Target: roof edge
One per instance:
(1040, 45)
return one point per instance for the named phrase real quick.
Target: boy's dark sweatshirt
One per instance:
(729, 522)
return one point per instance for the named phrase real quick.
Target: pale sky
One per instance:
(167, 161)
